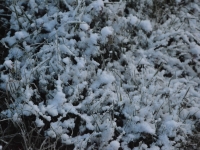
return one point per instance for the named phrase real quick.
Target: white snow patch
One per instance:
(64, 49)
(93, 38)
(171, 126)
(51, 133)
(39, 122)
(39, 22)
(32, 4)
(106, 31)
(178, 1)
(97, 5)
(68, 123)
(146, 25)
(66, 139)
(52, 110)
(8, 64)
(66, 60)
(50, 25)
(114, 145)
(104, 78)
(80, 62)
(15, 52)
(16, 117)
(84, 26)
(194, 49)
(133, 20)
(144, 127)
(10, 40)
(21, 35)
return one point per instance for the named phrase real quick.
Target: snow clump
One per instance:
(146, 25)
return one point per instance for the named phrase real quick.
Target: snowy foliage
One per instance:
(95, 74)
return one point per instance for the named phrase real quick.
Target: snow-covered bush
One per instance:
(96, 74)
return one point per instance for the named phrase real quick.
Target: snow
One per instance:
(144, 127)
(106, 31)
(68, 123)
(64, 49)
(114, 145)
(39, 122)
(87, 18)
(8, 64)
(32, 4)
(146, 25)
(15, 53)
(80, 62)
(94, 38)
(84, 26)
(65, 139)
(49, 26)
(58, 100)
(104, 75)
(39, 22)
(51, 134)
(66, 60)
(104, 78)
(170, 127)
(9, 40)
(178, 1)
(52, 110)
(16, 118)
(133, 20)
(97, 5)
(194, 49)
(21, 35)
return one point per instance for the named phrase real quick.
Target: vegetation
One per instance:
(94, 74)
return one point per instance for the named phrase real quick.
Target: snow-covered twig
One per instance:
(34, 69)
(67, 5)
